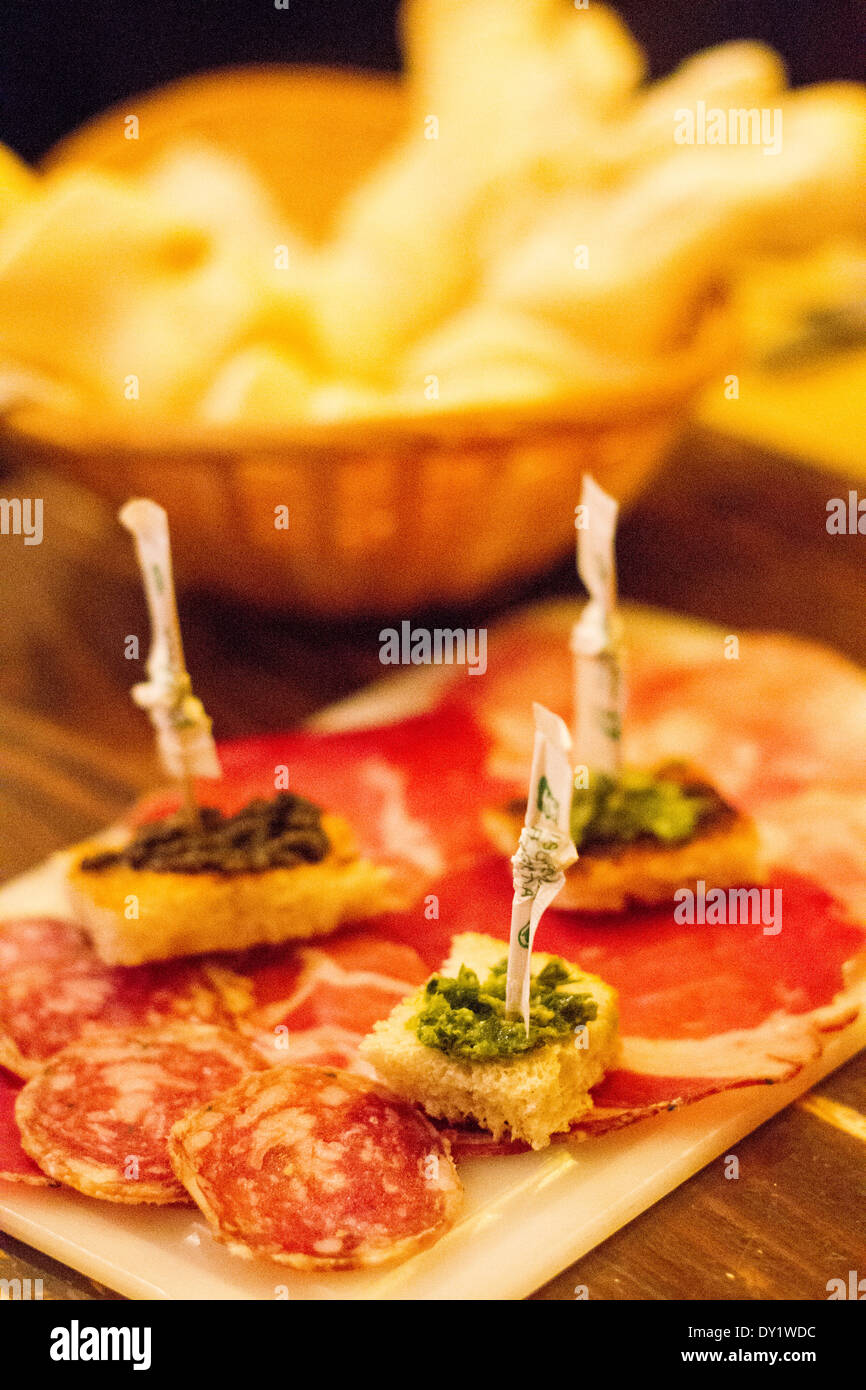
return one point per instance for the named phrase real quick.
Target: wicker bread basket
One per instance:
(386, 515)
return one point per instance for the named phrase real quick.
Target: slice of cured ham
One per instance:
(313, 1004)
(780, 726)
(766, 718)
(703, 1008)
(53, 988)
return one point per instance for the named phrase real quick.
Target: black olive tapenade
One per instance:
(276, 834)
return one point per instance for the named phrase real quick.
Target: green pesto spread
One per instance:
(620, 810)
(465, 1018)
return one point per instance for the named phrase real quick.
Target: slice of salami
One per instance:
(15, 1164)
(317, 1169)
(37, 940)
(98, 1115)
(53, 988)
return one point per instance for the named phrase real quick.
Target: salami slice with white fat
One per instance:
(317, 1169)
(53, 989)
(98, 1115)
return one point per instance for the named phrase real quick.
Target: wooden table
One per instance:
(725, 533)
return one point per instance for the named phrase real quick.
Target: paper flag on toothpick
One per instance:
(544, 852)
(596, 639)
(183, 730)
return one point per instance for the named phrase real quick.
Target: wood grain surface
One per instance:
(725, 532)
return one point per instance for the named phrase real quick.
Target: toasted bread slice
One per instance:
(136, 915)
(724, 852)
(529, 1096)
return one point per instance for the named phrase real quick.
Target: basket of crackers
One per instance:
(363, 331)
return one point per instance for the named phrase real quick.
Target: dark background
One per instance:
(61, 62)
